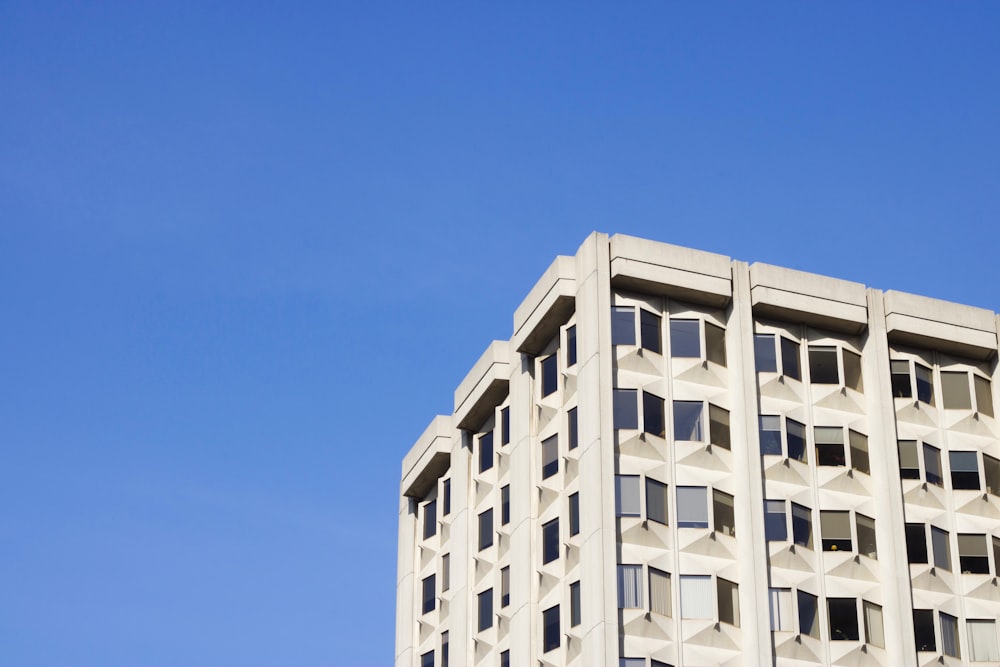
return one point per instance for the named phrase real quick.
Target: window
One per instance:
(964, 470)
(505, 426)
(823, 366)
(485, 451)
(505, 586)
(984, 395)
(808, 614)
(696, 596)
(574, 604)
(859, 451)
(899, 372)
(843, 618)
(949, 635)
(656, 501)
(802, 525)
(836, 529)
(925, 383)
(649, 331)
(780, 604)
(659, 592)
(574, 514)
(692, 507)
(790, 366)
(939, 546)
(550, 456)
(656, 663)
(627, 495)
(723, 513)
(626, 411)
(775, 526)
(796, 434)
(427, 659)
(996, 554)
(505, 504)
(687, 421)
(991, 470)
(955, 390)
(770, 435)
(444, 649)
(430, 519)
(550, 375)
(715, 344)
(729, 602)
(428, 594)
(830, 446)
(916, 543)
(486, 609)
(932, 464)
(923, 629)
(505, 658)
(652, 414)
(631, 662)
(874, 629)
(571, 346)
(685, 338)
(909, 459)
(623, 325)
(765, 359)
(972, 558)
(550, 541)
(630, 587)
(922, 379)
(718, 426)
(983, 641)
(486, 529)
(445, 572)
(572, 429)
(866, 535)
(852, 370)
(446, 499)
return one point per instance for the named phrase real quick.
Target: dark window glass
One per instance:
(808, 611)
(571, 346)
(428, 594)
(916, 543)
(900, 375)
(727, 596)
(486, 529)
(964, 470)
(836, 530)
(802, 525)
(715, 344)
(550, 623)
(486, 609)
(909, 461)
(427, 659)
(718, 426)
(770, 434)
(550, 375)
(865, 527)
(430, 519)
(574, 604)
(445, 572)
(923, 629)
(623, 325)
(775, 526)
(984, 395)
(550, 457)
(955, 390)
(830, 446)
(765, 358)
(723, 513)
(859, 451)
(932, 465)
(925, 384)
(505, 505)
(505, 586)
(843, 618)
(940, 548)
(852, 371)
(685, 338)
(505, 425)
(550, 541)
(574, 514)
(657, 663)
(626, 408)
(649, 330)
(972, 558)
(991, 469)
(652, 414)
(444, 649)
(823, 365)
(572, 429)
(790, 359)
(687, 421)
(656, 501)
(505, 658)
(485, 451)
(796, 434)
(446, 500)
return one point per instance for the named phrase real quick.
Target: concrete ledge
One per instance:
(428, 459)
(485, 386)
(549, 303)
(940, 325)
(797, 296)
(660, 268)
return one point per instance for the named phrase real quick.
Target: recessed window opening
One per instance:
(955, 390)
(830, 446)
(972, 556)
(685, 338)
(843, 619)
(964, 470)
(823, 365)
(550, 375)
(623, 325)
(836, 529)
(687, 421)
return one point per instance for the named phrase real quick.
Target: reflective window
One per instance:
(550, 375)
(692, 507)
(623, 325)
(550, 629)
(964, 470)
(626, 410)
(775, 526)
(652, 414)
(765, 358)
(823, 367)
(574, 514)
(574, 604)
(627, 495)
(550, 457)
(571, 346)
(649, 331)
(687, 421)
(939, 545)
(685, 338)
(485, 600)
(485, 451)
(715, 344)
(550, 541)
(808, 614)
(955, 390)
(656, 501)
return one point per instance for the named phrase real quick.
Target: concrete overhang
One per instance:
(669, 270)
(548, 305)
(797, 296)
(428, 459)
(933, 324)
(485, 386)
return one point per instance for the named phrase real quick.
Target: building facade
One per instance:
(680, 459)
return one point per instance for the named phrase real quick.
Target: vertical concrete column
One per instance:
(752, 543)
(462, 538)
(404, 582)
(897, 612)
(523, 632)
(598, 585)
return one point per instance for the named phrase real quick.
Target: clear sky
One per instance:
(248, 250)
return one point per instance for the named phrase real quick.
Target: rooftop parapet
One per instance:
(787, 294)
(940, 325)
(660, 268)
(549, 303)
(428, 459)
(484, 387)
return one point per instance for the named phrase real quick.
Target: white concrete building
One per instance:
(681, 459)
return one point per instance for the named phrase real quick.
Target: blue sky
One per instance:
(250, 249)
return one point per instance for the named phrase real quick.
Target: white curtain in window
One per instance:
(630, 587)
(659, 592)
(696, 597)
(692, 506)
(627, 494)
(781, 608)
(983, 641)
(949, 635)
(874, 632)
